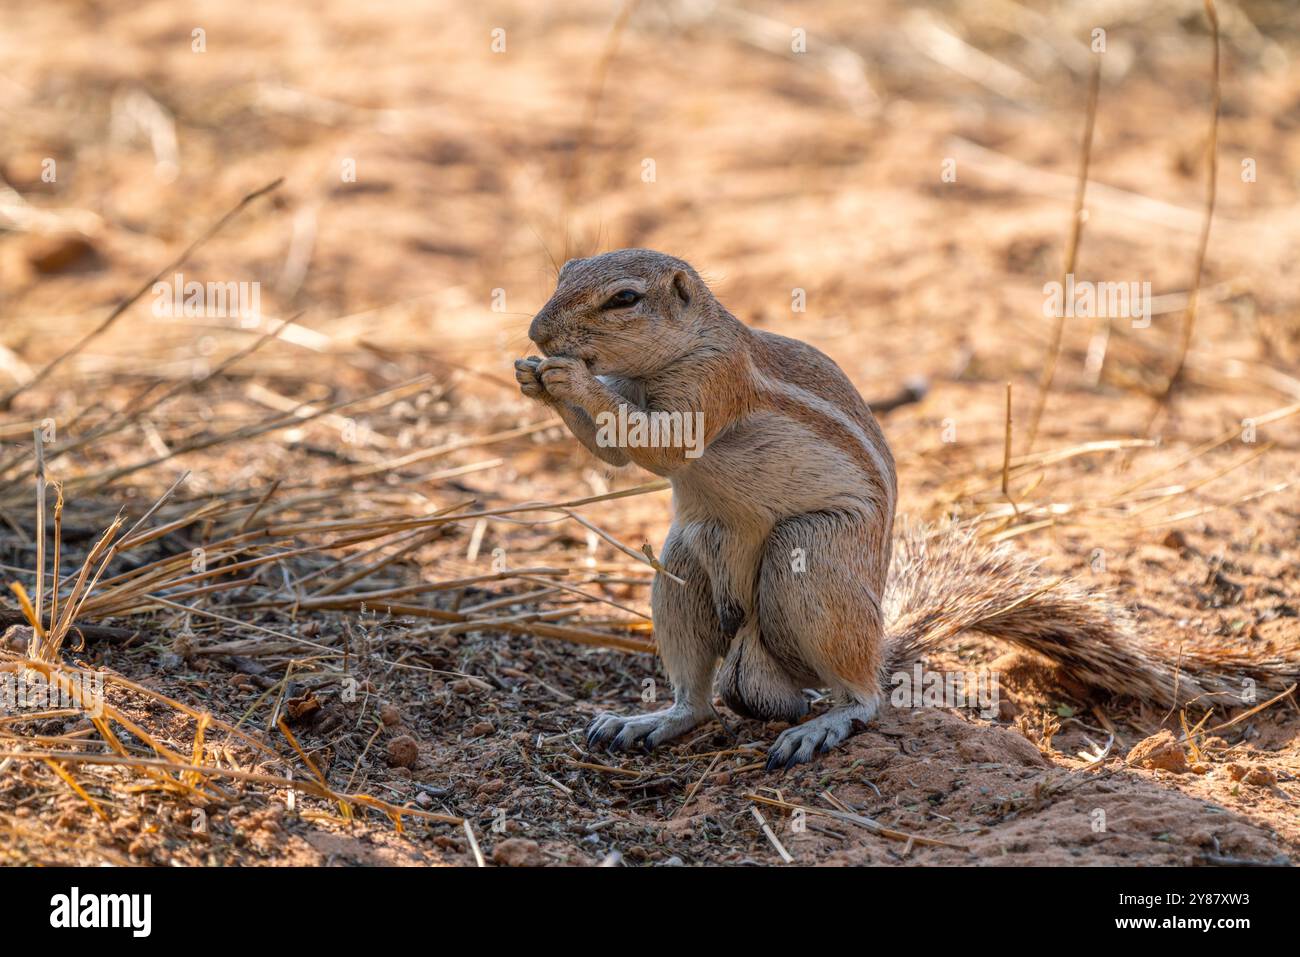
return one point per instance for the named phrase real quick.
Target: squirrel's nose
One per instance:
(539, 333)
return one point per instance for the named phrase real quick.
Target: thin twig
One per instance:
(1006, 458)
(1211, 193)
(1071, 255)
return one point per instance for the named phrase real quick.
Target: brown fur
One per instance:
(783, 527)
(944, 581)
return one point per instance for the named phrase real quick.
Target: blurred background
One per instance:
(435, 152)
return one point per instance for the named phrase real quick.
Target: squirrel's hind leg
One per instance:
(818, 606)
(691, 640)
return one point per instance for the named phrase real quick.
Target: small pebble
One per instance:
(403, 752)
(518, 852)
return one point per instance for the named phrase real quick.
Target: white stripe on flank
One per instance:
(815, 403)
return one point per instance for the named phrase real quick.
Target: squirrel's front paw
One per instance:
(529, 379)
(566, 379)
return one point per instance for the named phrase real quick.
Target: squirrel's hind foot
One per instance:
(621, 732)
(802, 742)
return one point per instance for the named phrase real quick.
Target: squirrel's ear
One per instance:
(681, 288)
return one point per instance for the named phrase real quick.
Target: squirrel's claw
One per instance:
(621, 733)
(802, 742)
(796, 746)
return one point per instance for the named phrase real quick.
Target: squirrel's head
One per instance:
(629, 312)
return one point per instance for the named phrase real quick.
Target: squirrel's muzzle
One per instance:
(540, 331)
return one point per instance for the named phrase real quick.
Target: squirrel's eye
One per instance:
(622, 299)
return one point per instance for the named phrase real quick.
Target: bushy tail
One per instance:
(943, 581)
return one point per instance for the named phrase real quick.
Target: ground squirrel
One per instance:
(782, 532)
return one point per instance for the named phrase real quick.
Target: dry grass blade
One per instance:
(1071, 255)
(1209, 446)
(135, 410)
(100, 554)
(384, 526)
(274, 423)
(1202, 245)
(40, 530)
(58, 541)
(423, 455)
(378, 598)
(293, 784)
(859, 820)
(25, 604)
(581, 636)
(101, 713)
(643, 557)
(311, 766)
(560, 586)
(1207, 509)
(68, 779)
(473, 843)
(771, 836)
(1006, 459)
(256, 509)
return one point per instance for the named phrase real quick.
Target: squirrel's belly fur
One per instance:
(783, 527)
